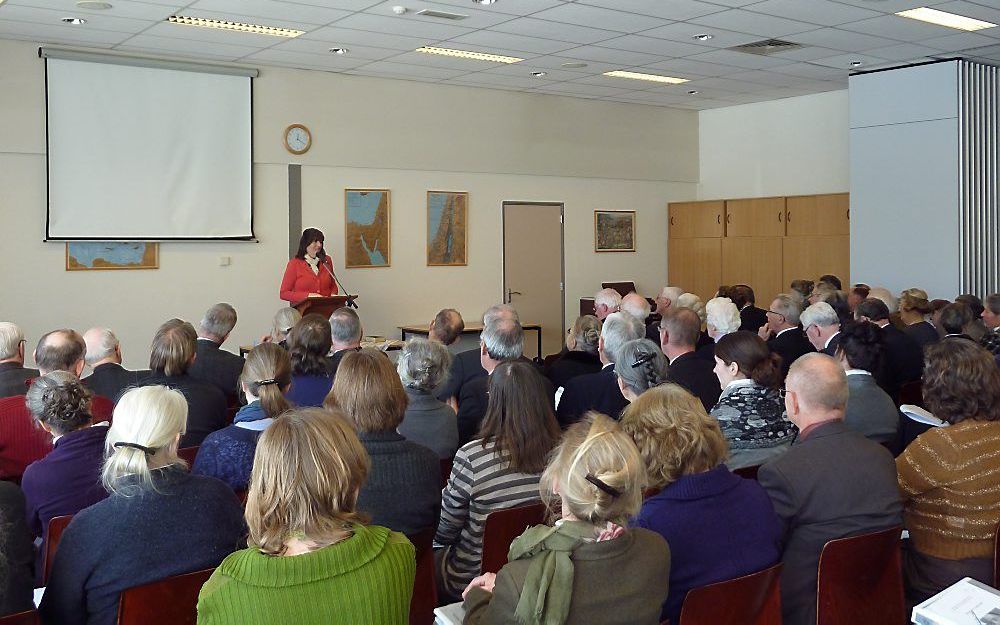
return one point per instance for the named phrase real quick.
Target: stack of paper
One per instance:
(452, 614)
(967, 602)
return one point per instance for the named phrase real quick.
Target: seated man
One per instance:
(782, 332)
(345, 332)
(607, 301)
(61, 350)
(751, 317)
(636, 305)
(903, 360)
(667, 298)
(446, 328)
(955, 320)
(466, 366)
(821, 325)
(14, 376)
(213, 364)
(679, 332)
(831, 483)
(104, 355)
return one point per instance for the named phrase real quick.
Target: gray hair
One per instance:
(819, 314)
(423, 364)
(722, 315)
(692, 302)
(641, 365)
(59, 350)
(11, 338)
(101, 343)
(283, 322)
(503, 338)
(609, 297)
(635, 305)
(219, 321)
(671, 293)
(498, 311)
(620, 328)
(819, 380)
(787, 306)
(586, 332)
(884, 294)
(345, 326)
(60, 401)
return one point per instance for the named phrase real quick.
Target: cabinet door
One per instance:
(739, 218)
(737, 258)
(695, 265)
(695, 219)
(769, 217)
(813, 215)
(810, 257)
(766, 269)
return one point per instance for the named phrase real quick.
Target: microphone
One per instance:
(350, 303)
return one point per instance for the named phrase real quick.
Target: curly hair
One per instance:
(59, 401)
(861, 344)
(961, 381)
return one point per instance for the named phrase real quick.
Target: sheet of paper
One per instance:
(451, 614)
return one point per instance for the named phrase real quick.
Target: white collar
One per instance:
(740, 383)
(858, 372)
(785, 330)
(827, 344)
(259, 425)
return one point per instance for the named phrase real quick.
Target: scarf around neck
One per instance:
(313, 263)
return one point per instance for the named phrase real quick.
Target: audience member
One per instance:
(213, 364)
(937, 306)
(903, 360)
(668, 297)
(606, 301)
(16, 552)
(311, 560)
(913, 311)
(423, 366)
(831, 280)
(831, 483)
(783, 334)
(821, 326)
(800, 290)
(499, 469)
(561, 574)
(948, 474)
(581, 354)
(282, 324)
(164, 520)
(677, 340)
(954, 321)
(751, 318)
(345, 336)
(858, 293)
(823, 292)
(61, 350)
(694, 303)
(173, 352)
(722, 317)
(870, 411)
(467, 365)
(14, 377)
(636, 305)
(976, 329)
(641, 365)
(104, 355)
(718, 525)
(228, 453)
(750, 411)
(599, 391)
(991, 318)
(446, 328)
(312, 372)
(886, 297)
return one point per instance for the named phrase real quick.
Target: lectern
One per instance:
(323, 305)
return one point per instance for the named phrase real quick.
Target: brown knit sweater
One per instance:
(949, 478)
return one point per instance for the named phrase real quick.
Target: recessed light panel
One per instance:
(943, 18)
(465, 54)
(237, 26)
(670, 80)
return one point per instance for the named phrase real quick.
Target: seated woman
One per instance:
(228, 453)
(499, 469)
(311, 560)
(947, 476)
(403, 489)
(722, 317)
(641, 365)
(913, 311)
(282, 324)
(719, 525)
(580, 356)
(586, 569)
(163, 520)
(870, 410)
(750, 410)
(423, 367)
(312, 372)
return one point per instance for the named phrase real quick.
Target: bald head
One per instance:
(682, 325)
(635, 305)
(60, 350)
(817, 390)
(447, 326)
(102, 347)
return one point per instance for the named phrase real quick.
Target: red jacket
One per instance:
(299, 281)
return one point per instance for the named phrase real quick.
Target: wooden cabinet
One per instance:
(766, 269)
(757, 217)
(688, 220)
(695, 265)
(737, 259)
(811, 257)
(817, 215)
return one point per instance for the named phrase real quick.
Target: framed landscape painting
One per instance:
(447, 228)
(366, 228)
(614, 231)
(100, 255)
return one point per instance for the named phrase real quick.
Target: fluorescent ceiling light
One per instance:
(670, 80)
(465, 54)
(237, 26)
(942, 18)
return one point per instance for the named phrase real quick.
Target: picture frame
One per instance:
(447, 228)
(112, 255)
(367, 228)
(614, 230)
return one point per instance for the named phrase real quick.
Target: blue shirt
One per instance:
(309, 390)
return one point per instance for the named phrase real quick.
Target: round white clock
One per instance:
(298, 139)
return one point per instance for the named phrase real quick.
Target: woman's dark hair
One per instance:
(832, 280)
(861, 344)
(752, 356)
(309, 236)
(308, 343)
(861, 290)
(954, 318)
(60, 401)
(803, 287)
(961, 381)
(519, 421)
(267, 373)
(973, 302)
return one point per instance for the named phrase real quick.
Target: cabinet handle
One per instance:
(848, 213)
(718, 219)
(729, 219)
(779, 217)
(671, 220)
(788, 216)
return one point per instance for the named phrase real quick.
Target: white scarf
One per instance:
(313, 263)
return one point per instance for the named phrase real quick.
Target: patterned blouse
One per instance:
(991, 341)
(752, 416)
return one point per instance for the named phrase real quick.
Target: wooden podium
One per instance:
(323, 305)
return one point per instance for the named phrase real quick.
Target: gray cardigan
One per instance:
(870, 410)
(431, 423)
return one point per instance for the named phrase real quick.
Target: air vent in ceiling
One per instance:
(767, 46)
(444, 15)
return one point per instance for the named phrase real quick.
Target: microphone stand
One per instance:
(350, 303)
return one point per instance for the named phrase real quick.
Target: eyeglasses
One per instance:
(777, 314)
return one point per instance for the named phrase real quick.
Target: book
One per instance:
(966, 602)
(452, 614)
(918, 414)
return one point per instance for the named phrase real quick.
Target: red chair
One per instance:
(445, 470)
(861, 581)
(21, 618)
(424, 586)
(500, 530)
(749, 473)
(171, 601)
(753, 599)
(57, 525)
(21, 440)
(187, 454)
(101, 408)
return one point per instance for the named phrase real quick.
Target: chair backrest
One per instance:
(753, 599)
(171, 601)
(911, 393)
(21, 440)
(749, 473)
(445, 470)
(57, 525)
(424, 586)
(21, 618)
(187, 454)
(500, 530)
(101, 408)
(860, 581)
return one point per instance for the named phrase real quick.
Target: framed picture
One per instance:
(366, 228)
(614, 231)
(447, 228)
(101, 255)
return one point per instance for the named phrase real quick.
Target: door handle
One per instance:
(509, 293)
(671, 220)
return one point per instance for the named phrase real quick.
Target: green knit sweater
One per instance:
(367, 578)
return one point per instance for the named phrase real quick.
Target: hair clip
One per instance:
(643, 359)
(266, 382)
(149, 451)
(614, 492)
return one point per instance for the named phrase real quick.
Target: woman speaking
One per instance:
(310, 273)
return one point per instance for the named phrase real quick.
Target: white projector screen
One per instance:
(146, 153)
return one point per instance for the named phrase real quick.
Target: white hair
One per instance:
(692, 301)
(101, 343)
(497, 311)
(819, 314)
(11, 338)
(671, 293)
(283, 321)
(722, 315)
(609, 297)
(619, 328)
(423, 364)
(503, 338)
(636, 306)
(884, 294)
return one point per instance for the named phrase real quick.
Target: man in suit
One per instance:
(599, 391)
(955, 320)
(821, 325)
(214, 365)
(446, 328)
(782, 332)
(13, 374)
(664, 301)
(466, 366)
(637, 306)
(903, 360)
(60, 350)
(751, 317)
(607, 301)
(831, 483)
(108, 379)
(345, 332)
(679, 333)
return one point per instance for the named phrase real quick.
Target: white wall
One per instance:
(405, 136)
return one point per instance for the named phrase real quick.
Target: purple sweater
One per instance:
(718, 525)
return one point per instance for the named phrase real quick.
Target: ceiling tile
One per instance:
(754, 23)
(737, 59)
(978, 10)
(349, 36)
(899, 28)
(805, 53)
(821, 12)
(51, 33)
(176, 31)
(733, 85)
(903, 52)
(522, 82)
(523, 70)
(270, 10)
(185, 46)
(476, 18)
(653, 45)
(313, 46)
(402, 25)
(678, 10)
(556, 62)
(583, 15)
(890, 6)
(346, 5)
(612, 56)
(764, 79)
(328, 61)
(445, 62)
(122, 8)
(531, 27)
(685, 68)
(507, 42)
(510, 7)
(411, 71)
(594, 90)
(841, 40)
(685, 32)
(95, 20)
(844, 61)
(808, 70)
(959, 41)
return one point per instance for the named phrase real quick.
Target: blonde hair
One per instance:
(307, 472)
(598, 472)
(674, 434)
(368, 390)
(915, 300)
(271, 364)
(693, 302)
(149, 417)
(283, 322)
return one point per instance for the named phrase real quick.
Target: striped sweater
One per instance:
(481, 481)
(950, 481)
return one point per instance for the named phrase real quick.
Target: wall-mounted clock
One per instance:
(298, 139)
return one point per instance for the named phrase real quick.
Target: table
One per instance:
(470, 328)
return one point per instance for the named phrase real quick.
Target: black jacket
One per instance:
(111, 380)
(16, 552)
(594, 391)
(403, 489)
(752, 318)
(696, 375)
(833, 346)
(790, 345)
(217, 367)
(206, 405)
(570, 365)
(902, 362)
(14, 379)
(465, 367)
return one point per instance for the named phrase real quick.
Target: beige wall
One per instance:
(405, 136)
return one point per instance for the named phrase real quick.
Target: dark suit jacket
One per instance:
(217, 367)
(14, 378)
(16, 552)
(206, 405)
(473, 401)
(790, 345)
(834, 483)
(570, 365)
(594, 391)
(696, 375)
(903, 361)
(110, 380)
(831, 349)
(752, 318)
(337, 357)
(653, 330)
(465, 367)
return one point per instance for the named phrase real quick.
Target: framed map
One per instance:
(366, 228)
(447, 223)
(614, 231)
(100, 255)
